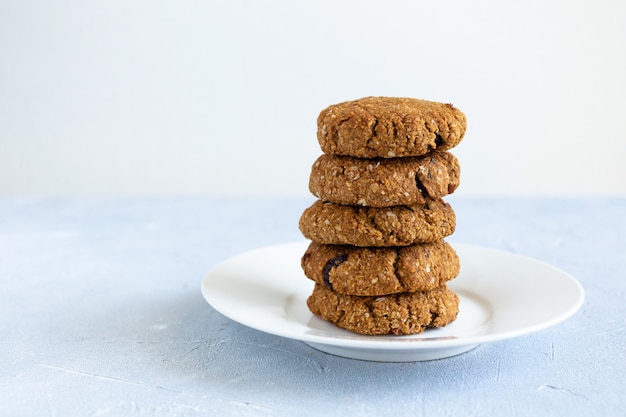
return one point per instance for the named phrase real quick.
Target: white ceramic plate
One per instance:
(502, 295)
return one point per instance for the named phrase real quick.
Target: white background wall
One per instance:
(221, 97)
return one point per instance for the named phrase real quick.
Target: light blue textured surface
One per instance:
(101, 314)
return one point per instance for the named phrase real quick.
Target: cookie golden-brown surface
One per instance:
(377, 271)
(389, 127)
(384, 182)
(400, 314)
(337, 224)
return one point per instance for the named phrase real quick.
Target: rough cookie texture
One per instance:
(384, 182)
(400, 314)
(389, 127)
(352, 270)
(337, 224)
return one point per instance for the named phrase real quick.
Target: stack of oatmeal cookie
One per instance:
(378, 255)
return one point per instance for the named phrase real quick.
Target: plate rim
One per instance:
(401, 343)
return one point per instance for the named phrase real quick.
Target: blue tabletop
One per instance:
(102, 315)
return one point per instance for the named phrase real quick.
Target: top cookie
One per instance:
(389, 127)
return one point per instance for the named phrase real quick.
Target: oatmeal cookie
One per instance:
(400, 314)
(353, 270)
(389, 127)
(384, 182)
(337, 224)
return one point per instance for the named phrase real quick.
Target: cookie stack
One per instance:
(378, 255)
